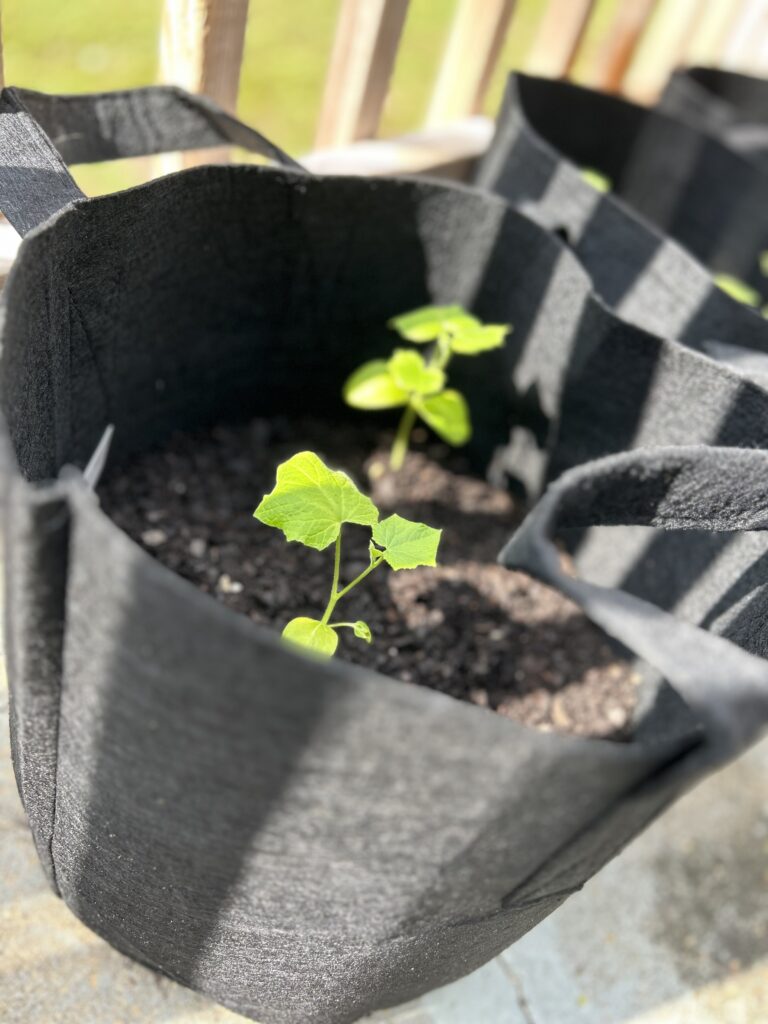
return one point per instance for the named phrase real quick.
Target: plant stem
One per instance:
(402, 437)
(335, 585)
(440, 356)
(336, 594)
(441, 352)
(358, 579)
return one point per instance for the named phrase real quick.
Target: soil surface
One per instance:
(469, 628)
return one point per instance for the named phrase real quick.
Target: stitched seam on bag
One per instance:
(600, 855)
(65, 556)
(67, 527)
(100, 376)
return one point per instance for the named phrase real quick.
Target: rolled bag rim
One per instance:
(514, 96)
(513, 93)
(627, 104)
(716, 94)
(478, 191)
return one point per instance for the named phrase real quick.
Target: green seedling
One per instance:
(738, 289)
(416, 384)
(596, 179)
(311, 503)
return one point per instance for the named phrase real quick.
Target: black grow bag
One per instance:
(643, 275)
(689, 183)
(305, 842)
(651, 281)
(728, 104)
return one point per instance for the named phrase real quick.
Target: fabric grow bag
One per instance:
(651, 281)
(724, 103)
(302, 841)
(708, 197)
(643, 275)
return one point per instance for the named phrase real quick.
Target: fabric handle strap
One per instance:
(40, 134)
(721, 489)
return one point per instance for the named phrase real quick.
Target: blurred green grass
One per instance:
(85, 45)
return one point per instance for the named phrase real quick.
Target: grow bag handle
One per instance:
(720, 489)
(40, 134)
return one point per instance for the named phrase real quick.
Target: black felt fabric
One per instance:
(40, 134)
(306, 842)
(643, 275)
(728, 104)
(651, 281)
(687, 182)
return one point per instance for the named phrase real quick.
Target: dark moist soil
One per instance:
(469, 628)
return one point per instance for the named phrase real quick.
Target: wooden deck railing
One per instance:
(626, 46)
(640, 42)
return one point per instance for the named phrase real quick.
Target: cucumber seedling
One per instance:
(743, 292)
(417, 384)
(311, 503)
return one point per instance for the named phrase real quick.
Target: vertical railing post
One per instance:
(474, 45)
(612, 53)
(2, 63)
(746, 45)
(558, 37)
(711, 31)
(662, 47)
(361, 65)
(201, 49)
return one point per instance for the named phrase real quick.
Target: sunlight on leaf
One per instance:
(313, 635)
(425, 323)
(596, 179)
(407, 379)
(310, 502)
(411, 373)
(406, 544)
(372, 386)
(448, 415)
(738, 290)
(363, 631)
(476, 338)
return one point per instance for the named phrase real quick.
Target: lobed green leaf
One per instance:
(313, 635)
(310, 502)
(372, 386)
(475, 338)
(406, 544)
(425, 323)
(448, 415)
(410, 372)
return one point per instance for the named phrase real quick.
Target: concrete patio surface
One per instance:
(674, 931)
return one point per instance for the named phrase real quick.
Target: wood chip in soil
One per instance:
(469, 628)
